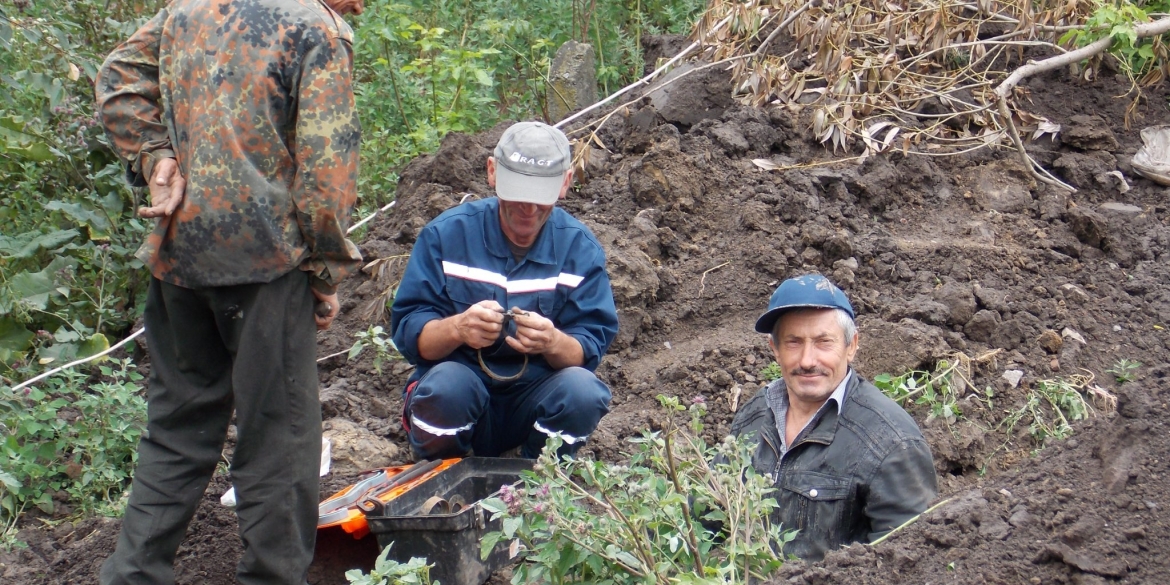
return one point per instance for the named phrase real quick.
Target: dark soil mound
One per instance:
(940, 255)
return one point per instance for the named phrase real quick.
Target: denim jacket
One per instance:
(852, 477)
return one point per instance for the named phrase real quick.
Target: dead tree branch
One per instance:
(1004, 89)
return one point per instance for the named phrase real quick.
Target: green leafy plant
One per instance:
(388, 571)
(77, 438)
(374, 337)
(938, 390)
(1066, 404)
(771, 372)
(1123, 370)
(1117, 19)
(68, 277)
(668, 516)
(1052, 406)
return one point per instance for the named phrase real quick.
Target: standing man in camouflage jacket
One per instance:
(239, 116)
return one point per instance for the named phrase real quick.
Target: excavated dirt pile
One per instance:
(944, 257)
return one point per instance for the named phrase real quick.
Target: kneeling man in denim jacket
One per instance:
(848, 463)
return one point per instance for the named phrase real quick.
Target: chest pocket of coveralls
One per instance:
(549, 303)
(814, 502)
(464, 293)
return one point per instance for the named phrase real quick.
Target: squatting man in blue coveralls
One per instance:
(848, 463)
(505, 310)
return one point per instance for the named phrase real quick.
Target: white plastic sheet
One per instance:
(229, 497)
(1152, 160)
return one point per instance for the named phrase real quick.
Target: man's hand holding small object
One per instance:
(535, 334)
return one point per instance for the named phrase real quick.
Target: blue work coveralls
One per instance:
(462, 258)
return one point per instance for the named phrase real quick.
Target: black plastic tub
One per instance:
(441, 520)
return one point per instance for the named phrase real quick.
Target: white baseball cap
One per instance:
(531, 161)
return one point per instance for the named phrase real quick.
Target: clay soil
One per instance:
(941, 255)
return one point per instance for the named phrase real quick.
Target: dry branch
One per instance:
(1004, 89)
(1148, 29)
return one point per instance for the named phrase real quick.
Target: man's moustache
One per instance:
(809, 372)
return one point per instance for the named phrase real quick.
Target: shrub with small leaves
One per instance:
(670, 515)
(74, 437)
(937, 390)
(376, 338)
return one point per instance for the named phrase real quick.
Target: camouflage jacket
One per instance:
(254, 99)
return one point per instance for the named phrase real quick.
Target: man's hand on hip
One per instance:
(167, 188)
(480, 325)
(325, 318)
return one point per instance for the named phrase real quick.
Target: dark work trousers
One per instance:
(248, 347)
(452, 413)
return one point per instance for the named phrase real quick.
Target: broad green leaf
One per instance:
(95, 221)
(10, 482)
(511, 525)
(33, 35)
(628, 559)
(93, 346)
(58, 353)
(15, 139)
(32, 289)
(45, 503)
(50, 85)
(488, 543)
(27, 245)
(493, 505)
(13, 336)
(113, 205)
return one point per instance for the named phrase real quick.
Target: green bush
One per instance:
(68, 278)
(388, 571)
(669, 516)
(73, 438)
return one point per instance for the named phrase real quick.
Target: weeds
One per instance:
(68, 277)
(75, 438)
(376, 338)
(388, 571)
(1052, 406)
(1123, 370)
(669, 516)
(936, 390)
(425, 69)
(771, 372)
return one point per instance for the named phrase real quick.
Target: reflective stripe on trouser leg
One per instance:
(446, 409)
(570, 403)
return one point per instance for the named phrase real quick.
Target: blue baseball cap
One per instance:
(811, 291)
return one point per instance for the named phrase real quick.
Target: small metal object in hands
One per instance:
(323, 309)
(508, 316)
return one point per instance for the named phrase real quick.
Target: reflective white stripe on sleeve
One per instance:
(512, 286)
(568, 439)
(414, 422)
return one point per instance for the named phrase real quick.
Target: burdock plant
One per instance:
(670, 515)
